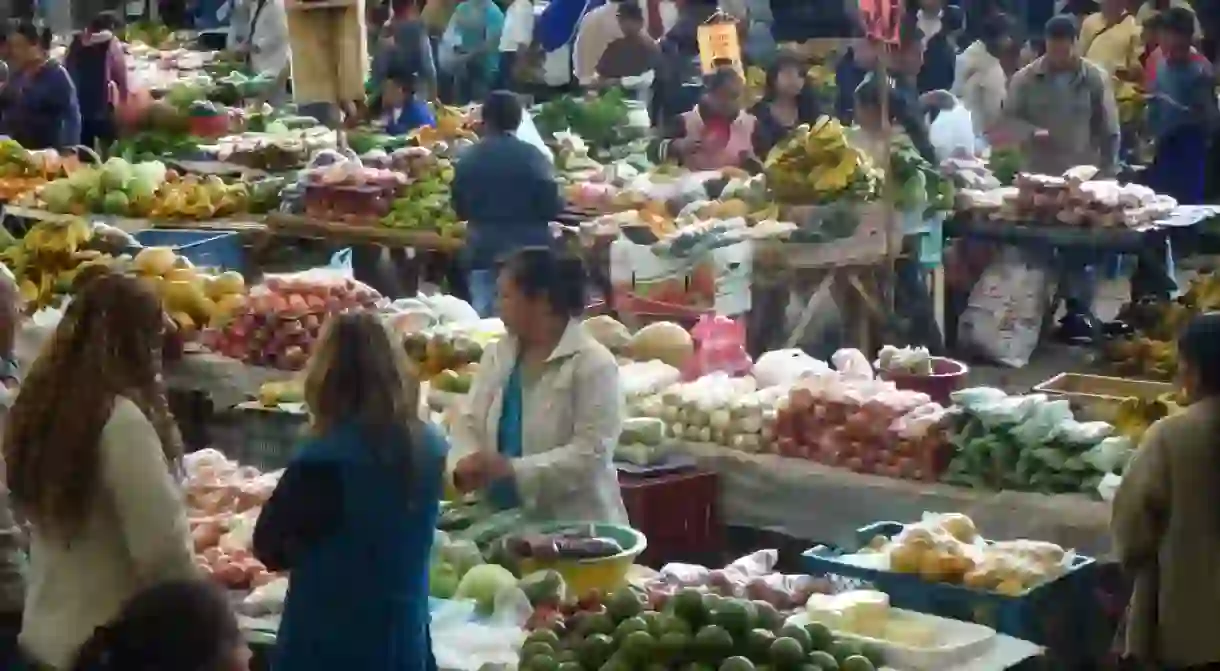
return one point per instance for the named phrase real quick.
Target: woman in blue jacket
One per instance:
(353, 517)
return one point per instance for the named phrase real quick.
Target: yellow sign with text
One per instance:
(719, 46)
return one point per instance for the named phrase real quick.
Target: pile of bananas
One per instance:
(47, 260)
(1142, 357)
(451, 124)
(817, 164)
(1151, 352)
(1135, 415)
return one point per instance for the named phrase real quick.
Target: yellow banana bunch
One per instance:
(816, 164)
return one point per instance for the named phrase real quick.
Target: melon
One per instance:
(154, 261)
(184, 297)
(664, 341)
(228, 282)
(182, 275)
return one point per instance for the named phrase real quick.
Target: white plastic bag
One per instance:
(952, 133)
(785, 366)
(1003, 318)
(1110, 455)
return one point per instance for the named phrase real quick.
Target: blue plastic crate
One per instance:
(1049, 614)
(210, 249)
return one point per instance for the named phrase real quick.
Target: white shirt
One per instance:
(133, 536)
(270, 49)
(518, 30)
(600, 27)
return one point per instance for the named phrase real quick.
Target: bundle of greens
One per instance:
(601, 120)
(919, 185)
(1023, 443)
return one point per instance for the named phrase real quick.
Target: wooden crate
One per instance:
(1097, 397)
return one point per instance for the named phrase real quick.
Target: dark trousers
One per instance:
(97, 134)
(504, 76)
(10, 627)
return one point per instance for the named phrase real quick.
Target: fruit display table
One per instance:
(827, 505)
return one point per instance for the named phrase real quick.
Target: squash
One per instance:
(608, 331)
(664, 341)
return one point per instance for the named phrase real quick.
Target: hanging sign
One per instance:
(881, 19)
(719, 45)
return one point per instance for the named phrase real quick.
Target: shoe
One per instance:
(1075, 329)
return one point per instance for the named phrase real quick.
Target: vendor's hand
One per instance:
(480, 469)
(939, 99)
(684, 146)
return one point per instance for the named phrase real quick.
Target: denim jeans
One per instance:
(483, 292)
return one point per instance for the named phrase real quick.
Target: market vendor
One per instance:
(603, 26)
(470, 58)
(98, 65)
(353, 517)
(400, 107)
(716, 134)
(980, 82)
(406, 48)
(633, 56)
(12, 538)
(91, 468)
(505, 190)
(545, 410)
(266, 47)
(1064, 108)
(788, 101)
(1181, 112)
(1164, 519)
(39, 99)
(1111, 39)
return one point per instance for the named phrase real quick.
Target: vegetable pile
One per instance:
(600, 120)
(1025, 443)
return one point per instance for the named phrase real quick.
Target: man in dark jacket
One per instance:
(505, 190)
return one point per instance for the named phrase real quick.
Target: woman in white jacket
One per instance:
(979, 80)
(545, 410)
(90, 449)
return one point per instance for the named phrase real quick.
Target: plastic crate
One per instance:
(259, 437)
(211, 249)
(678, 513)
(1051, 614)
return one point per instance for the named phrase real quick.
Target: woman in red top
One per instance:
(1153, 54)
(716, 134)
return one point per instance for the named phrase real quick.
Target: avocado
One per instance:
(638, 647)
(767, 616)
(737, 664)
(624, 604)
(595, 650)
(758, 644)
(535, 649)
(843, 649)
(628, 627)
(857, 663)
(734, 616)
(688, 605)
(673, 647)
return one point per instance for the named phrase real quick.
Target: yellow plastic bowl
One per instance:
(604, 574)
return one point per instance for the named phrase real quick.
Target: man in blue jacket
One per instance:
(505, 190)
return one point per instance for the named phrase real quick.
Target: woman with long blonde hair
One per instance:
(90, 449)
(354, 514)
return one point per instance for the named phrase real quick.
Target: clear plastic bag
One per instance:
(785, 366)
(1043, 423)
(460, 643)
(1110, 455)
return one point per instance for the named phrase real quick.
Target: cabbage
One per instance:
(58, 196)
(152, 172)
(482, 583)
(84, 179)
(115, 174)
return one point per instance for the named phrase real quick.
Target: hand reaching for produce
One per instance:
(478, 470)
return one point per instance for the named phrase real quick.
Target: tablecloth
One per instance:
(822, 504)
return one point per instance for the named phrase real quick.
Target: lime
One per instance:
(823, 660)
(671, 622)
(843, 649)
(711, 602)
(543, 636)
(595, 650)
(623, 604)
(629, 626)
(733, 616)
(768, 616)
(655, 622)
(638, 647)
(758, 644)
(542, 663)
(713, 643)
(688, 605)
(819, 635)
(797, 633)
(874, 653)
(673, 647)
(570, 666)
(595, 623)
(857, 663)
(787, 653)
(536, 649)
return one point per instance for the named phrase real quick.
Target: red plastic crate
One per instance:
(677, 512)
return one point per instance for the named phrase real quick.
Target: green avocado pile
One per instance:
(696, 631)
